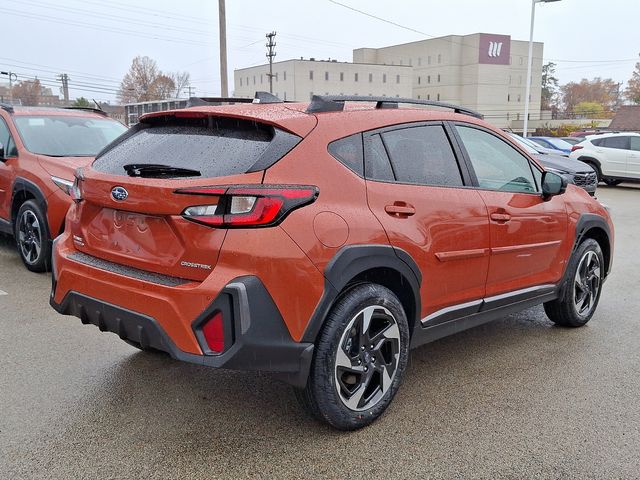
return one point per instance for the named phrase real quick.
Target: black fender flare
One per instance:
(586, 222)
(22, 184)
(353, 260)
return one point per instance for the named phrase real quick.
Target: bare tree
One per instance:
(182, 81)
(28, 92)
(163, 87)
(144, 82)
(137, 84)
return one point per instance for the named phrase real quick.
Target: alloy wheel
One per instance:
(587, 283)
(367, 358)
(30, 237)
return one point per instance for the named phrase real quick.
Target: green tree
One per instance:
(549, 86)
(632, 92)
(589, 109)
(82, 102)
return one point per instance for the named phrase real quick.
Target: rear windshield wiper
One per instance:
(154, 170)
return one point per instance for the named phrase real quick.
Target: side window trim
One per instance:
(467, 178)
(467, 159)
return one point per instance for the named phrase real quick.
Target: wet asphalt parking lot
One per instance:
(516, 398)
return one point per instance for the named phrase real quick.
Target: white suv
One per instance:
(614, 156)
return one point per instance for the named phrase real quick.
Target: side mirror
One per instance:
(553, 184)
(2, 159)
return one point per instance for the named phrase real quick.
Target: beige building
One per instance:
(485, 72)
(300, 79)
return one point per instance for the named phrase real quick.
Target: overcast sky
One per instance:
(94, 41)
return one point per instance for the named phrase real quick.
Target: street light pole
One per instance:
(530, 63)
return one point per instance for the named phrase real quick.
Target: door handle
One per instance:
(400, 210)
(500, 217)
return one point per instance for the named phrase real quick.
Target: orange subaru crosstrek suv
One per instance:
(40, 149)
(322, 241)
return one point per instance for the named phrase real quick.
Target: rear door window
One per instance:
(422, 155)
(215, 147)
(621, 143)
(377, 165)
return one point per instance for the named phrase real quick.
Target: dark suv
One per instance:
(322, 241)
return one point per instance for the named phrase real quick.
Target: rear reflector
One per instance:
(213, 332)
(247, 206)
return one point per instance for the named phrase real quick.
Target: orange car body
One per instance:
(446, 247)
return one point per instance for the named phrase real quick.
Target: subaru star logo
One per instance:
(119, 194)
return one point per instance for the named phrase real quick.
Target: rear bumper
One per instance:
(256, 337)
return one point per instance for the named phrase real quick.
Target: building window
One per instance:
(509, 79)
(342, 76)
(520, 80)
(247, 81)
(429, 60)
(355, 77)
(254, 79)
(438, 78)
(397, 78)
(261, 79)
(521, 60)
(519, 98)
(240, 81)
(275, 75)
(384, 78)
(439, 58)
(326, 76)
(418, 97)
(438, 97)
(508, 97)
(310, 74)
(428, 97)
(400, 61)
(370, 77)
(418, 79)
(310, 95)
(419, 63)
(428, 78)
(285, 96)
(284, 75)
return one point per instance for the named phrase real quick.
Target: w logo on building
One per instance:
(494, 49)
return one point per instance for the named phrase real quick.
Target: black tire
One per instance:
(373, 375)
(612, 182)
(32, 237)
(595, 167)
(581, 290)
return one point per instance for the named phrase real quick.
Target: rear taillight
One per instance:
(247, 206)
(576, 147)
(213, 332)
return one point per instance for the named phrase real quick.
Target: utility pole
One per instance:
(222, 19)
(64, 78)
(270, 54)
(12, 76)
(190, 88)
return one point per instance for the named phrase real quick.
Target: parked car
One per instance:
(573, 171)
(553, 143)
(573, 140)
(40, 148)
(614, 156)
(321, 242)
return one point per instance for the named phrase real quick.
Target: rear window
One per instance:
(215, 147)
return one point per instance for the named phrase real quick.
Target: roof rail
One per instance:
(6, 107)
(260, 97)
(87, 109)
(335, 103)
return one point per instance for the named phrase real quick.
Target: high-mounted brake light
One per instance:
(247, 206)
(576, 147)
